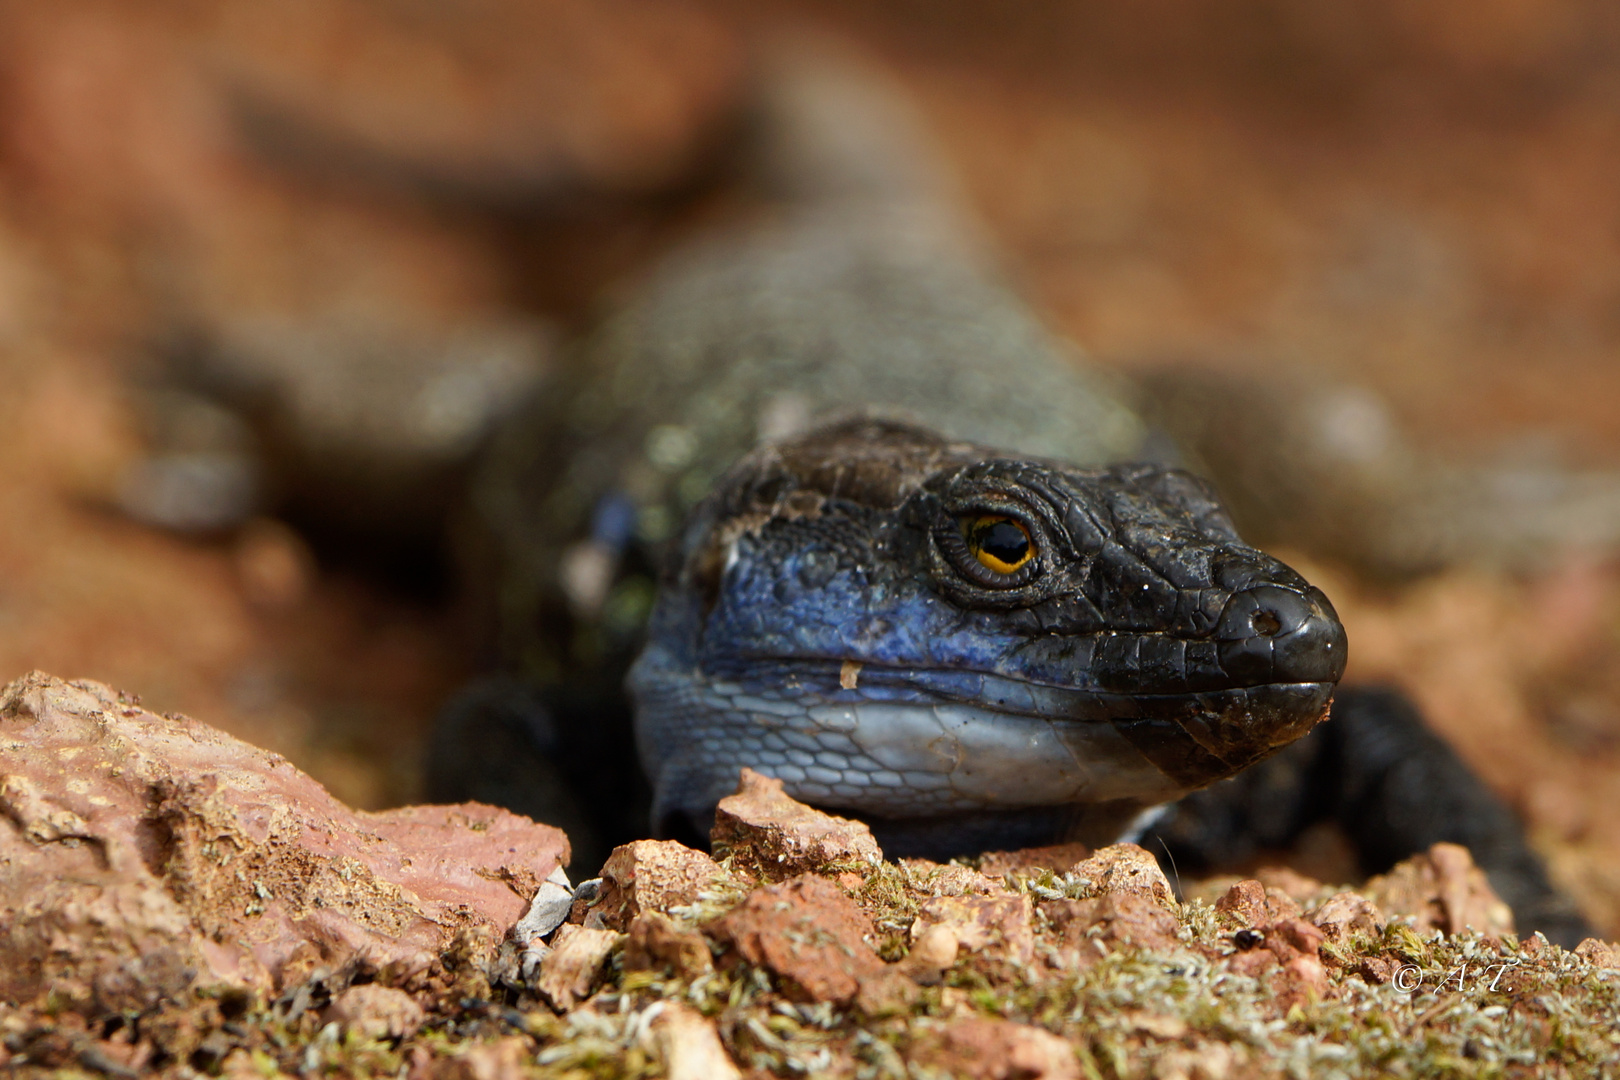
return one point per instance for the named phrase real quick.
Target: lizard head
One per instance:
(912, 629)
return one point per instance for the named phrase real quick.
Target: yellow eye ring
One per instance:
(1000, 543)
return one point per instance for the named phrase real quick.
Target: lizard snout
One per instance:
(1273, 633)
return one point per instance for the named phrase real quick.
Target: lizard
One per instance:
(845, 511)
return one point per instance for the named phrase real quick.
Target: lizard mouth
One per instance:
(898, 743)
(1192, 737)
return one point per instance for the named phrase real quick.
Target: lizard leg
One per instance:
(1393, 787)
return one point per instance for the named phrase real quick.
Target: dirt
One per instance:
(854, 968)
(1419, 201)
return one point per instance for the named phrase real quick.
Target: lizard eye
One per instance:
(1000, 543)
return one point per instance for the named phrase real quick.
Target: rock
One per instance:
(1128, 919)
(571, 968)
(146, 854)
(993, 928)
(766, 831)
(501, 1059)
(933, 951)
(370, 1011)
(688, 1045)
(1293, 938)
(1441, 889)
(653, 875)
(1126, 868)
(992, 1050)
(949, 879)
(1058, 858)
(1347, 915)
(1599, 953)
(656, 942)
(552, 903)
(1375, 970)
(806, 931)
(1301, 980)
(1252, 904)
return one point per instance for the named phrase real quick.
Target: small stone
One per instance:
(1058, 858)
(806, 931)
(652, 875)
(570, 969)
(688, 1044)
(1301, 980)
(994, 928)
(370, 1011)
(1129, 919)
(655, 942)
(949, 879)
(499, 1060)
(1158, 1025)
(765, 830)
(1126, 868)
(1599, 953)
(553, 900)
(1441, 889)
(933, 952)
(1375, 970)
(1347, 915)
(1292, 938)
(1253, 904)
(992, 1050)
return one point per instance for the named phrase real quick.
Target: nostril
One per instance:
(1270, 633)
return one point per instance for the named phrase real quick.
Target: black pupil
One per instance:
(1004, 541)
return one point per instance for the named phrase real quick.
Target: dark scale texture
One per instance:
(1141, 612)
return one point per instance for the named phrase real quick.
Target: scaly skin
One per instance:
(817, 617)
(825, 622)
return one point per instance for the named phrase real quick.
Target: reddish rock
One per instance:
(994, 928)
(144, 854)
(655, 942)
(1252, 963)
(1252, 904)
(1301, 980)
(1085, 929)
(1441, 889)
(571, 968)
(370, 1011)
(1375, 970)
(765, 830)
(949, 879)
(1347, 915)
(1599, 953)
(502, 1059)
(653, 875)
(806, 931)
(688, 1045)
(992, 1050)
(1058, 858)
(1126, 868)
(1293, 938)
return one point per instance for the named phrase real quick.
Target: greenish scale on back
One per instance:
(857, 290)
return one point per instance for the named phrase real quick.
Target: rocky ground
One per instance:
(1417, 200)
(178, 902)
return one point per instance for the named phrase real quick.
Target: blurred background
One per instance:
(1420, 199)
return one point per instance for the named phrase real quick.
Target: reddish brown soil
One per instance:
(1421, 202)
